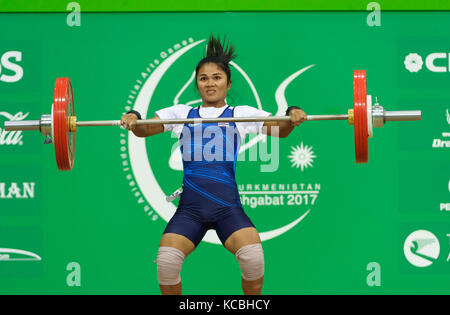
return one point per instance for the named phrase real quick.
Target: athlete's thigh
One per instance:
(177, 241)
(183, 232)
(242, 237)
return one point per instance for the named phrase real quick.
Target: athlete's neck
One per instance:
(217, 104)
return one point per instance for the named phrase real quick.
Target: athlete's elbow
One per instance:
(284, 133)
(138, 132)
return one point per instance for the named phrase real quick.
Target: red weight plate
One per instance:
(63, 139)
(360, 116)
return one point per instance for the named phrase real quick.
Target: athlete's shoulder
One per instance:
(181, 107)
(245, 111)
(174, 111)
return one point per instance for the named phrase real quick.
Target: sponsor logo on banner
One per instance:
(445, 206)
(10, 69)
(259, 192)
(11, 254)
(421, 248)
(21, 252)
(17, 190)
(434, 62)
(444, 141)
(413, 62)
(11, 137)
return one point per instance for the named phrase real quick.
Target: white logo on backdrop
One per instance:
(421, 248)
(6, 63)
(414, 62)
(302, 156)
(12, 137)
(10, 254)
(16, 191)
(441, 143)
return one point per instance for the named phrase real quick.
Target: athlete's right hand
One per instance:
(128, 121)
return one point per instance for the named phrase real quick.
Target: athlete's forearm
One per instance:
(285, 128)
(280, 129)
(143, 131)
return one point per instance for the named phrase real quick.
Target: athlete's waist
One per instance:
(213, 166)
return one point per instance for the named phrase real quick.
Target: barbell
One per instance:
(60, 126)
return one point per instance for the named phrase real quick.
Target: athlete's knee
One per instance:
(169, 262)
(251, 261)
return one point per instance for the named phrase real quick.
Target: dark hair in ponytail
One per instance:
(219, 53)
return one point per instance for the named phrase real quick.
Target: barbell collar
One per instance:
(46, 125)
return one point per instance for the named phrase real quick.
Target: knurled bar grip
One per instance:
(208, 120)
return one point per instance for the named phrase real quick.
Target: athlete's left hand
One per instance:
(297, 116)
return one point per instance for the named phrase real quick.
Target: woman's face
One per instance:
(212, 84)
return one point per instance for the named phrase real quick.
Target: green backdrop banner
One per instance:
(328, 225)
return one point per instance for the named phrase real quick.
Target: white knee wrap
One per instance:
(169, 262)
(251, 261)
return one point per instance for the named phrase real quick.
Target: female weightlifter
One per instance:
(210, 199)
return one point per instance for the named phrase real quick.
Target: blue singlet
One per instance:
(210, 199)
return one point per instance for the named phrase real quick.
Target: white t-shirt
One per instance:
(182, 111)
